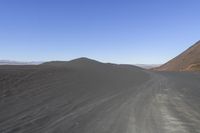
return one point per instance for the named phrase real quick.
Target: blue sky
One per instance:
(119, 31)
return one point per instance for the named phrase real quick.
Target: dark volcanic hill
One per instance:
(187, 61)
(80, 62)
(32, 98)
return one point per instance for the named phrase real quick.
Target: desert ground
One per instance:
(86, 96)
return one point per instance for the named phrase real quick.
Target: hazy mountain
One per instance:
(148, 66)
(9, 62)
(187, 61)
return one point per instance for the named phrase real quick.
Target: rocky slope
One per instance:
(186, 61)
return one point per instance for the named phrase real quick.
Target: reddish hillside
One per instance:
(187, 61)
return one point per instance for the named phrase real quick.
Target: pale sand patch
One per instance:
(172, 124)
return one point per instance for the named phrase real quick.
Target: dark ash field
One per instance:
(86, 96)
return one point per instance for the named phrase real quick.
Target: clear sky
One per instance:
(119, 31)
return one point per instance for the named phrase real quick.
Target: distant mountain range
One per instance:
(9, 62)
(189, 60)
(147, 66)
